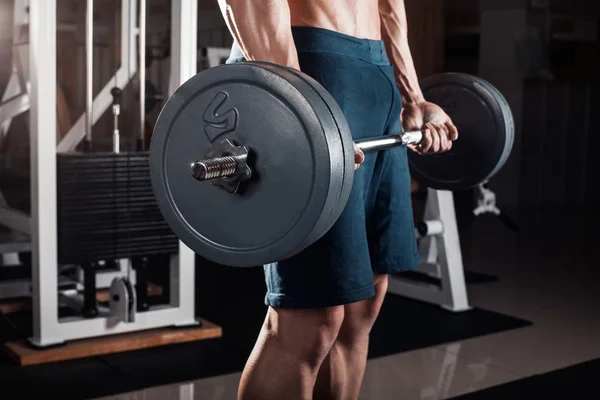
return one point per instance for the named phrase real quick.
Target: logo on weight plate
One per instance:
(219, 121)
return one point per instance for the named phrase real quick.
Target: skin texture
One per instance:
(322, 353)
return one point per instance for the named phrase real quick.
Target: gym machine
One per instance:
(441, 257)
(15, 246)
(54, 169)
(440, 251)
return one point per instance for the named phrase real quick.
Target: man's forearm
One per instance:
(262, 30)
(394, 33)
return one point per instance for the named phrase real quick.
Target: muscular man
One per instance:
(324, 301)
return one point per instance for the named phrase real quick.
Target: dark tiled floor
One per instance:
(548, 274)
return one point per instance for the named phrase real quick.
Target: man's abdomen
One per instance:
(357, 18)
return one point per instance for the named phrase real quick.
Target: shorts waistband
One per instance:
(311, 39)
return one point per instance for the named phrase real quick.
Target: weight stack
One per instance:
(106, 209)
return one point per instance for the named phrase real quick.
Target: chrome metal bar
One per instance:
(389, 141)
(89, 69)
(116, 110)
(142, 68)
(228, 166)
(116, 134)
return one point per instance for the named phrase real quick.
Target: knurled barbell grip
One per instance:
(220, 167)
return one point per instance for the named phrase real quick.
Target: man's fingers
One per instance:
(436, 134)
(426, 141)
(437, 138)
(443, 137)
(452, 131)
(359, 156)
(448, 139)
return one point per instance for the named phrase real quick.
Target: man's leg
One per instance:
(288, 353)
(342, 372)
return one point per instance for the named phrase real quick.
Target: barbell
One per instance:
(253, 162)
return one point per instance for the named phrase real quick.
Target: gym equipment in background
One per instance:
(114, 175)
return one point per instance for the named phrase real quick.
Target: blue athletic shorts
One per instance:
(375, 233)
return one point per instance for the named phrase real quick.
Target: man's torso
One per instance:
(358, 18)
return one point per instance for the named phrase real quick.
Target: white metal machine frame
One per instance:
(441, 258)
(15, 101)
(48, 328)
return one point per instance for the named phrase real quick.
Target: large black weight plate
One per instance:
(347, 149)
(509, 122)
(288, 138)
(486, 133)
(335, 145)
(342, 156)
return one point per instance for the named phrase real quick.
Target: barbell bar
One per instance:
(229, 165)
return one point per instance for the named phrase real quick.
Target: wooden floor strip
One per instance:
(22, 353)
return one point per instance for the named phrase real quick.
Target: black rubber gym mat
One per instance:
(575, 382)
(471, 277)
(405, 325)
(232, 298)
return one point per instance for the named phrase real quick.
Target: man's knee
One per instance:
(360, 317)
(307, 334)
